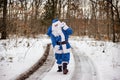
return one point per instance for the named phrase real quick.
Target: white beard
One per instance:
(56, 30)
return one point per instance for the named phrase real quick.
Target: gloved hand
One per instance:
(65, 27)
(56, 48)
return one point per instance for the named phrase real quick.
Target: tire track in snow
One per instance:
(43, 70)
(84, 67)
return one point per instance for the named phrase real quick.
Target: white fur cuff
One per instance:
(65, 27)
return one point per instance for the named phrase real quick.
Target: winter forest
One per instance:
(99, 19)
(25, 48)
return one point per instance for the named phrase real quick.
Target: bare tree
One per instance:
(4, 32)
(112, 21)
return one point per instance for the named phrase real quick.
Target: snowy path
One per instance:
(41, 72)
(84, 69)
(80, 68)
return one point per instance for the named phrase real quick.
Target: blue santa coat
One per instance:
(58, 38)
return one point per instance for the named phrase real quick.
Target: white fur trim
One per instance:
(62, 37)
(59, 64)
(58, 51)
(64, 62)
(65, 27)
(64, 48)
(56, 48)
(61, 51)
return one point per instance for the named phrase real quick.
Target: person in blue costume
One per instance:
(59, 33)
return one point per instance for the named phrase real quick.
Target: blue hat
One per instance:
(54, 20)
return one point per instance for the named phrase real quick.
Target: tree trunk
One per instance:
(4, 32)
(108, 7)
(68, 10)
(112, 22)
(59, 9)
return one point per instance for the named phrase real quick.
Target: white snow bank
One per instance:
(17, 56)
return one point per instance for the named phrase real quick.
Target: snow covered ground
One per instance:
(104, 55)
(18, 55)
